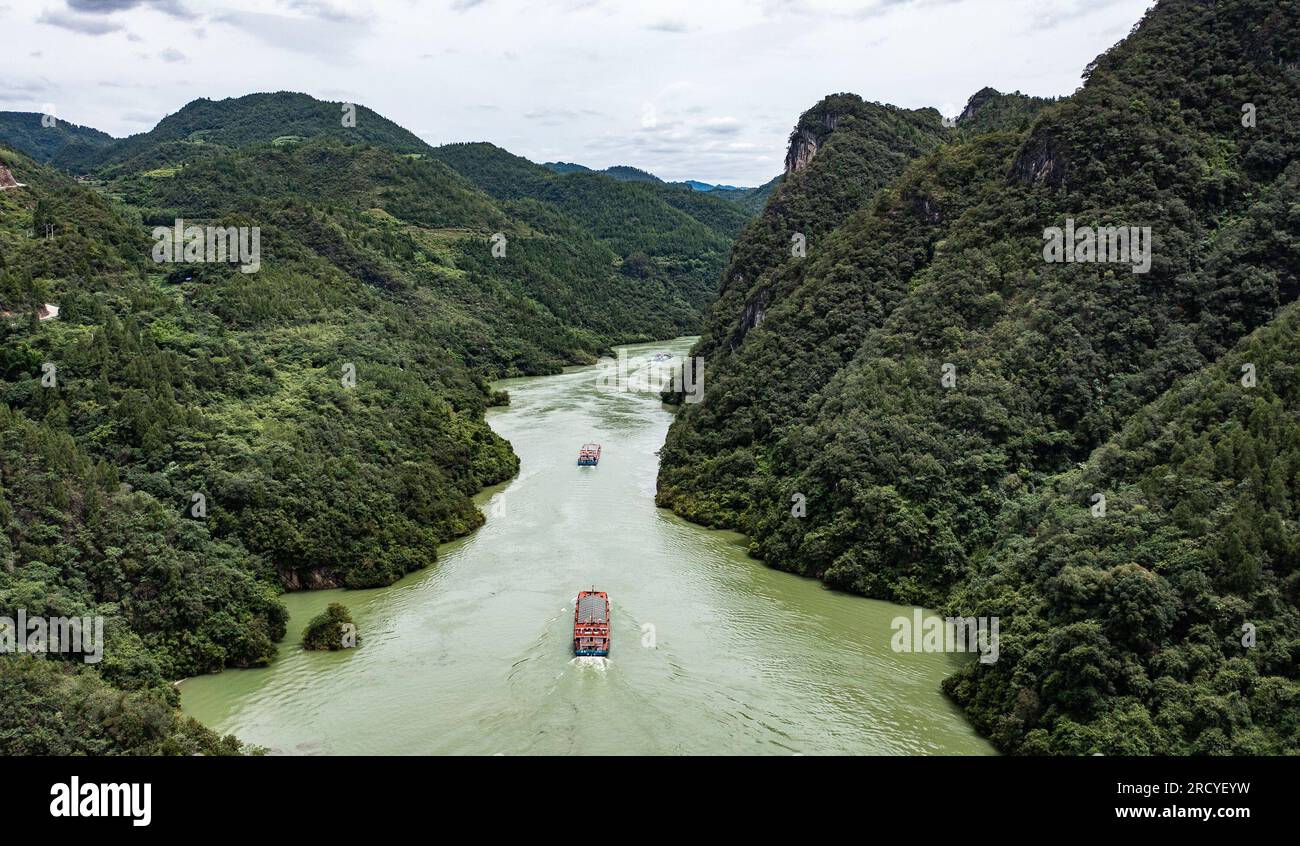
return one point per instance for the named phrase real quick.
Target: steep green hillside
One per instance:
(81, 531)
(173, 381)
(187, 379)
(623, 173)
(54, 709)
(825, 374)
(62, 140)
(626, 173)
(751, 200)
(505, 175)
(207, 127)
(566, 167)
(423, 217)
(670, 232)
(1170, 624)
(989, 110)
(842, 152)
(665, 241)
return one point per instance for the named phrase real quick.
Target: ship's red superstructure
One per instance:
(591, 623)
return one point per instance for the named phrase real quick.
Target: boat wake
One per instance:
(594, 662)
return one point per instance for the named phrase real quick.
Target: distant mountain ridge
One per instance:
(632, 174)
(685, 237)
(748, 198)
(204, 127)
(705, 186)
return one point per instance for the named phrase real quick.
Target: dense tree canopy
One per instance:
(827, 380)
(187, 440)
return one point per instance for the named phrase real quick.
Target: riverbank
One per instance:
(713, 652)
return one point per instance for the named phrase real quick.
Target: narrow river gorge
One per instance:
(712, 651)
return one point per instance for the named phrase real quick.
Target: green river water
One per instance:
(712, 651)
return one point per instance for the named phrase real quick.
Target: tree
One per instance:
(332, 629)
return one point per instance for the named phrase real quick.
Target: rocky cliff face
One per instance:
(841, 151)
(310, 578)
(810, 134)
(978, 99)
(755, 309)
(803, 146)
(1040, 162)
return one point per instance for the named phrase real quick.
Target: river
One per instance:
(712, 651)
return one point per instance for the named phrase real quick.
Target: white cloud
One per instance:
(668, 26)
(76, 23)
(682, 88)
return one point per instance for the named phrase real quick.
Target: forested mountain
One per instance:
(660, 246)
(86, 524)
(667, 231)
(1171, 625)
(1106, 460)
(186, 440)
(566, 167)
(990, 110)
(706, 186)
(841, 153)
(660, 233)
(827, 380)
(208, 127)
(623, 173)
(626, 173)
(26, 131)
(214, 382)
(750, 200)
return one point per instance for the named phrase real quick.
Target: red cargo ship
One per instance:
(591, 623)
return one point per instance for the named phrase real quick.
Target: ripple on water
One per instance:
(712, 652)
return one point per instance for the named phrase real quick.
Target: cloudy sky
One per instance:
(701, 89)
